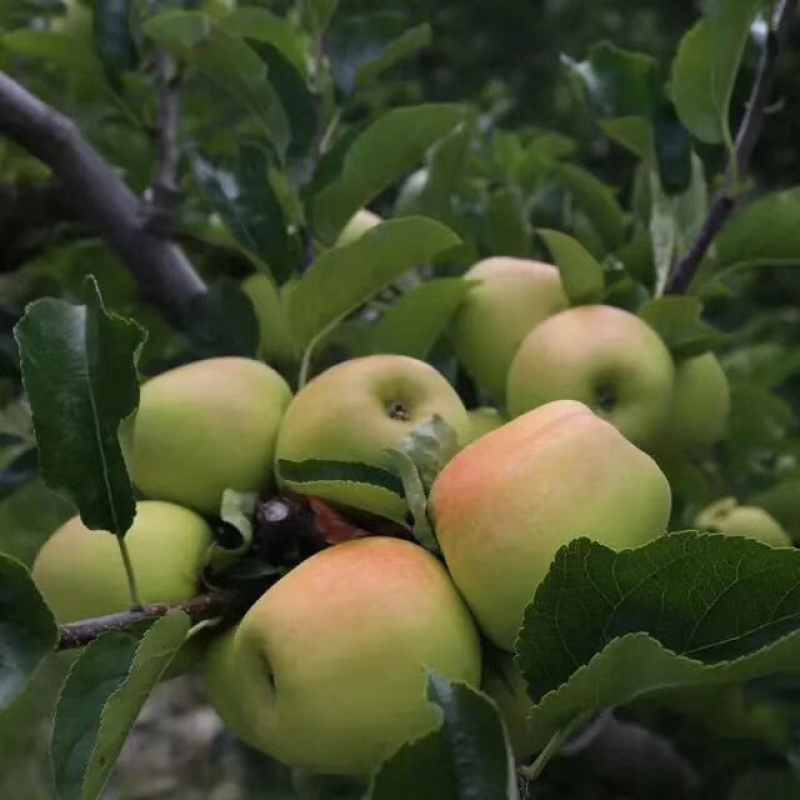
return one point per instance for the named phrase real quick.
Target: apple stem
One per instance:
(534, 770)
(126, 560)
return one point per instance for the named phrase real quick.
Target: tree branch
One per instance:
(746, 139)
(162, 270)
(205, 606)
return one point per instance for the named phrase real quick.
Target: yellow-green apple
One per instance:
(701, 403)
(361, 222)
(206, 427)
(604, 357)
(506, 503)
(356, 411)
(483, 420)
(503, 682)
(81, 573)
(327, 670)
(728, 517)
(513, 295)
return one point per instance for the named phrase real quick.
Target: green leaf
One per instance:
(416, 498)
(318, 14)
(597, 201)
(227, 59)
(28, 630)
(467, 757)
(705, 68)
(506, 227)
(634, 133)
(58, 48)
(430, 446)
(239, 190)
(260, 25)
(79, 371)
(679, 322)
(113, 39)
(673, 152)
(447, 161)
(581, 274)
(345, 277)
(685, 610)
(101, 699)
(389, 148)
(783, 502)
(237, 511)
(413, 325)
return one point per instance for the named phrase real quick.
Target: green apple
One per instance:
(356, 411)
(513, 295)
(503, 682)
(506, 503)
(602, 356)
(81, 574)
(483, 420)
(728, 517)
(701, 404)
(327, 670)
(206, 427)
(359, 224)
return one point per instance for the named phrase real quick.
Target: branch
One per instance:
(161, 269)
(205, 606)
(746, 139)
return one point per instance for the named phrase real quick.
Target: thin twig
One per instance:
(205, 606)
(746, 139)
(162, 270)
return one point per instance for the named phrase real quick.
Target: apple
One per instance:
(506, 503)
(81, 574)
(701, 404)
(483, 420)
(728, 517)
(326, 671)
(362, 221)
(604, 357)
(513, 295)
(503, 682)
(356, 411)
(206, 427)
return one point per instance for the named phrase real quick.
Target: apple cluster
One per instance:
(325, 670)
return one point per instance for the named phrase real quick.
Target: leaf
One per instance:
(673, 148)
(79, 371)
(413, 325)
(28, 630)
(240, 191)
(318, 14)
(344, 277)
(227, 59)
(634, 133)
(236, 512)
(679, 322)
(261, 25)
(362, 47)
(22, 469)
(782, 501)
(506, 227)
(389, 148)
(466, 758)
(446, 166)
(112, 36)
(430, 446)
(55, 47)
(101, 699)
(685, 610)
(222, 322)
(705, 68)
(581, 275)
(416, 498)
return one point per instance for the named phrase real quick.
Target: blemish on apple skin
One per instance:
(399, 412)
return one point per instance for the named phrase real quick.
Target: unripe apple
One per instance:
(728, 517)
(359, 224)
(356, 411)
(503, 682)
(483, 420)
(81, 573)
(701, 404)
(513, 295)
(602, 356)
(326, 670)
(206, 427)
(506, 503)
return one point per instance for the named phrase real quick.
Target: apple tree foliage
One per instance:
(284, 124)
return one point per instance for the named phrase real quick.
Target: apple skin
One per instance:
(503, 682)
(484, 420)
(513, 295)
(206, 427)
(604, 357)
(728, 517)
(326, 671)
(357, 410)
(361, 222)
(506, 503)
(81, 574)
